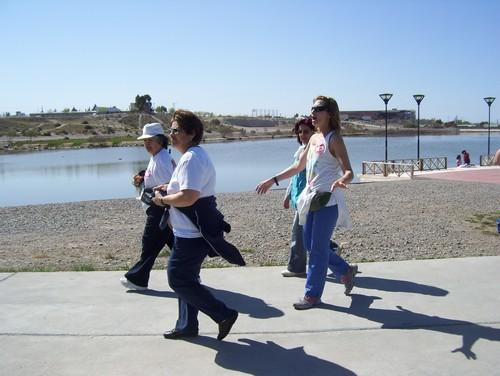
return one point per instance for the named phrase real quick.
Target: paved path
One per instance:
(480, 174)
(428, 317)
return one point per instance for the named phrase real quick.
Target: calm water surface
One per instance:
(95, 174)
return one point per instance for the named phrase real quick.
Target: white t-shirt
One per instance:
(160, 169)
(195, 171)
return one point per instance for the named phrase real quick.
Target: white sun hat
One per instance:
(151, 130)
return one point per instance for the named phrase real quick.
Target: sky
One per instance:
(233, 56)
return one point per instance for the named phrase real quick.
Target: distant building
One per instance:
(74, 114)
(107, 110)
(394, 115)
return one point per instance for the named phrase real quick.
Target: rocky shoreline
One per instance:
(403, 220)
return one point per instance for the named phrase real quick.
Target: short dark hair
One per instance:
(163, 140)
(307, 121)
(189, 123)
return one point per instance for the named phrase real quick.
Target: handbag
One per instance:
(320, 200)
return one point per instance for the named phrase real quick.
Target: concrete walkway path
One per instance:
(490, 174)
(425, 317)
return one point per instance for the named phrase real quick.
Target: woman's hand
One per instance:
(286, 203)
(157, 199)
(161, 187)
(339, 183)
(137, 180)
(264, 186)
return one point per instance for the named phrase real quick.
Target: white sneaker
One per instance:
(288, 273)
(131, 286)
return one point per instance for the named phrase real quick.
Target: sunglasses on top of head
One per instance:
(319, 108)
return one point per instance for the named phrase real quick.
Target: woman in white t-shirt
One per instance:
(159, 171)
(192, 180)
(321, 205)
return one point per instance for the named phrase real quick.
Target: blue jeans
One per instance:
(184, 266)
(298, 255)
(318, 230)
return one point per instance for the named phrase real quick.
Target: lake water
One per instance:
(94, 174)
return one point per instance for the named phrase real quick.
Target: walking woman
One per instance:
(321, 205)
(159, 170)
(296, 267)
(192, 186)
(297, 260)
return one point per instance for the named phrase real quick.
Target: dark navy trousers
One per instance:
(153, 241)
(183, 271)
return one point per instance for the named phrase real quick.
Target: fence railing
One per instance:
(437, 163)
(486, 160)
(388, 168)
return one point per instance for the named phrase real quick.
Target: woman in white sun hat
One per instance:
(159, 171)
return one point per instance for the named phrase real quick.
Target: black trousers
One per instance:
(153, 241)
(184, 278)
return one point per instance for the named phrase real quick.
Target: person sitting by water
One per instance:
(159, 171)
(458, 161)
(466, 157)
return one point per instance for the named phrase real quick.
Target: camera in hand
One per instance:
(148, 194)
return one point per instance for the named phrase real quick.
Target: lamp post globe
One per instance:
(418, 98)
(489, 101)
(385, 97)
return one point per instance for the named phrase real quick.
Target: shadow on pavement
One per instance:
(268, 358)
(157, 293)
(253, 307)
(405, 319)
(393, 285)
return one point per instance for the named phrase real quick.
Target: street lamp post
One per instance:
(489, 100)
(418, 98)
(385, 97)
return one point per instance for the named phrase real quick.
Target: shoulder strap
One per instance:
(329, 136)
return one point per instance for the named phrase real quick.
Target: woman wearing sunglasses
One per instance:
(321, 205)
(193, 185)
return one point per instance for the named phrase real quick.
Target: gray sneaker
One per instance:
(307, 302)
(348, 279)
(288, 273)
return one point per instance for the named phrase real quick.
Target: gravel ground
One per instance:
(417, 219)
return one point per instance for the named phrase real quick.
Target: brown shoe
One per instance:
(348, 279)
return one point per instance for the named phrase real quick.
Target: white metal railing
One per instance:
(387, 168)
(486, 160)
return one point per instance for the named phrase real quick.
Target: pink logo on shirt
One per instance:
(319, 149)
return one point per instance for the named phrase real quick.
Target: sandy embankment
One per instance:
(392, 221)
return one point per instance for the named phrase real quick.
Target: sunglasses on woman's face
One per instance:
(174, 130)
(318, 108)
(303, 131)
